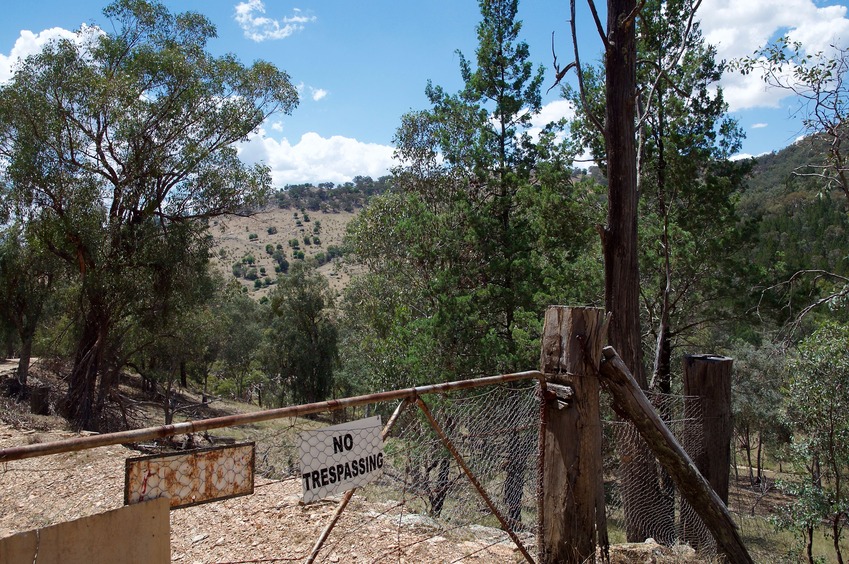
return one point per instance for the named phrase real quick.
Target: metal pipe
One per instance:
(150, 433)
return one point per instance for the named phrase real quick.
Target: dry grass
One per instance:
(232, 242)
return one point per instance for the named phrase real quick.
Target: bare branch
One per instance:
(587, 110)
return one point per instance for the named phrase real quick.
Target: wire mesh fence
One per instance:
(458, 482)
(641, 499)
(424, 495)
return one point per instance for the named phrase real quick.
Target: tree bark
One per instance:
(24, 361)
(80, 405)
(619, 245)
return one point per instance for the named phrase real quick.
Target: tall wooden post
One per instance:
(707, 379)
(572, 506)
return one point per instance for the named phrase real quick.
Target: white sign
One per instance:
(338, 458)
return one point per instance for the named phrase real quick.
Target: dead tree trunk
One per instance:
(572, 520)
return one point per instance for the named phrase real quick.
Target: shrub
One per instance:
(316, 241)
(253, 236)
(257, 284)
(251, 274)
(272, 230)
(307, 240)
(248, 259)
(269, 248)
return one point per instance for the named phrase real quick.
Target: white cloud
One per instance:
(317, 159)
(29, 43)
(738, 29)
(553, 111)
(318, 93)
(759, 125)
(250, 17)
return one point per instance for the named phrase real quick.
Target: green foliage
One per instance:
(253, 237)
(272, 230)
(690, 243)
(269, 249)
(28, 273)
(462, 251)
(147, 94)
(818, 409)
(301, 342)
(332, 198)
(760, 377)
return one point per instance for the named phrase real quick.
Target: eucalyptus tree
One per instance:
(671, 230)
(118, 141)
(817, 407)
(27, 276)
(688, 231)
(301, 340)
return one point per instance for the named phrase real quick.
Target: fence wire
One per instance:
(641, 499)
(424, 498)
(422, 506)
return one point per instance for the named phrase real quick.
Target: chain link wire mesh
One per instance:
(641, 499)
(422, 506)
(423, 496)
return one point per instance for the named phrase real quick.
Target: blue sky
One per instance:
(360, 65)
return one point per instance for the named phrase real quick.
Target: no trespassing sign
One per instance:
(337, 458)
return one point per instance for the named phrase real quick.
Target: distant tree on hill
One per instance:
(300, 345)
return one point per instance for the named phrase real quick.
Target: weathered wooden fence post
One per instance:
(707, 379)
(572, 507)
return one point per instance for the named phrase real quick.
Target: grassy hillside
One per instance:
(237, 239)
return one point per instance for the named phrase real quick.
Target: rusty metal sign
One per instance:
(193, 477)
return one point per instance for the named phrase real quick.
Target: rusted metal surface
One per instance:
(474, 481)
(192, 477)
(151, 433)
